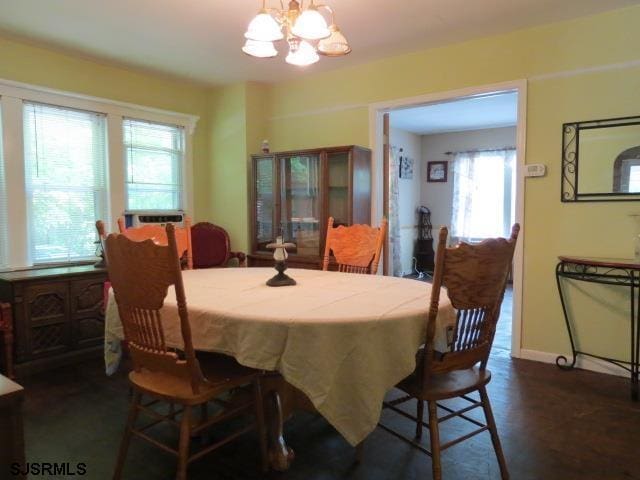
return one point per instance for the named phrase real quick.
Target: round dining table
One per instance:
(341, 341)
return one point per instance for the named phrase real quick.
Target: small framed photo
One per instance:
(437, 171)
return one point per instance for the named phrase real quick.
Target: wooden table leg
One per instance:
(281, 401)
(280, 455)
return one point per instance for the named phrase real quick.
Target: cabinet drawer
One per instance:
(86, 297)
(46, 311)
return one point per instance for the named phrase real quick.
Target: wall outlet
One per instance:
(535, 170)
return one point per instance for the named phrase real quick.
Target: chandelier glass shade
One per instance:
(304, 28)
(335, 44)
(259, 49)
(304, 55)
(311, 25)
(264, 28)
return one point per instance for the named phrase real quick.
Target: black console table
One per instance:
(621, 272)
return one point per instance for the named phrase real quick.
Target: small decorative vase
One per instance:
(100, 253)
(280, 256)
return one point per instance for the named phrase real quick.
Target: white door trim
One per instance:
(376, 110)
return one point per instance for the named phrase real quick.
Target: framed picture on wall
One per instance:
(437, 171)
(406, 168)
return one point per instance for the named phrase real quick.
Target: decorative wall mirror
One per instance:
(601, 160)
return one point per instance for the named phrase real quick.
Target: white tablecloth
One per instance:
(343, 339)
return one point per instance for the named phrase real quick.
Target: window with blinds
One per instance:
(65, 180)
(154, 154)
(4, 234)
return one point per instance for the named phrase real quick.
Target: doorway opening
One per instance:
(454, 160)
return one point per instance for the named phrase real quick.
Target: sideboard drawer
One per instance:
(47, 329)
(86, 311)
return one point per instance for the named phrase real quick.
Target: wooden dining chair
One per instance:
(356, 248)
(158, 234)
(475, 277)
(141, 274)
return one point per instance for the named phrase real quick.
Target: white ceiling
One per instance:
(492, 111)
(201, 39)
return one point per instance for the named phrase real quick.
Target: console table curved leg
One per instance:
(635, 336)
(280, 455)
(561, 360)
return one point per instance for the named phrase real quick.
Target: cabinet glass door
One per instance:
(339, 187)
(300, 202)
(264, 202)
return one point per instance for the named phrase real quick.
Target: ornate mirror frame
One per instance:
(570, 162)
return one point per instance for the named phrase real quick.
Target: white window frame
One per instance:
(12, 96)
(182, 162)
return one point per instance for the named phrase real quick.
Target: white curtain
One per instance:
(483, 194)
(394, 207)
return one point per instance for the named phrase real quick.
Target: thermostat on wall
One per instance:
(535, 170)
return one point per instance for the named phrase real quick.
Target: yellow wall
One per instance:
(40, 66)
(237, 126)
(227, 188)
(332, 108)
(554, 228)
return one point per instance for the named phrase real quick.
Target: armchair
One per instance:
(212, 247)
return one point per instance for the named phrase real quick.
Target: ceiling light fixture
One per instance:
(304, 28)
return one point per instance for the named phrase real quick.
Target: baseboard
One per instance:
(583, 362)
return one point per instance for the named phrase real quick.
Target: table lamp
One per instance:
(280, 256)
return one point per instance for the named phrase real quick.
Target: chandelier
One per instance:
(304, 28)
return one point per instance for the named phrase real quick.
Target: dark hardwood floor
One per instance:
(553, 425)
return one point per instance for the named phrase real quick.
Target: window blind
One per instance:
(154, 156)
(4, 227)
(65, 179)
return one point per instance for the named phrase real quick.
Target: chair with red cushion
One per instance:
(211, 246)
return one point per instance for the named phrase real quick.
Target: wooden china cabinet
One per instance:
(294, 193)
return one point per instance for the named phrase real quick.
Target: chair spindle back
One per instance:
(356, 248)
(475, 277)
(158, 234)
(141, 273)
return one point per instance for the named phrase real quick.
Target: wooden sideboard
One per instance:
(57, 315)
